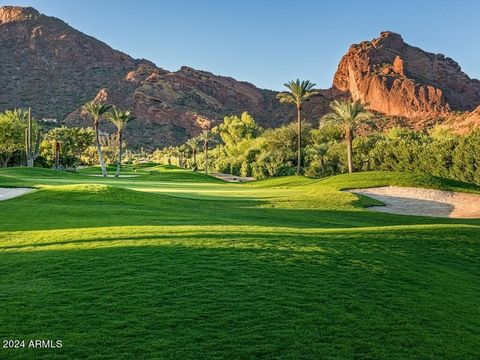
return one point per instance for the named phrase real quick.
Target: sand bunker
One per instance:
(233, 178)
(112, 176)
(424, 202)
(8, 193)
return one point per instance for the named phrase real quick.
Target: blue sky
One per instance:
(268, 42)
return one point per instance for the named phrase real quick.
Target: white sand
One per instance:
(424, 202)
(8, 193)
(232, 178)
(112, 176)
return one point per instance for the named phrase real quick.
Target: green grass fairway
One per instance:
(170, 264)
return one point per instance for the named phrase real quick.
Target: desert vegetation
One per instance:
(298, 93)
(241, 147)
(244, 148)
(26, 141)
(187, 258)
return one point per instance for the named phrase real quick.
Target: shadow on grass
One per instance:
(224, 302)
(30, 213)
(284, 239)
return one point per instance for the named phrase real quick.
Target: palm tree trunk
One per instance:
(206, 157)
(57, 155)
(349, 139)
(99, 150)
(119, 161)
(299, 139)
(5, 160)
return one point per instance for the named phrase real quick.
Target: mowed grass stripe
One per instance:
(285, 268)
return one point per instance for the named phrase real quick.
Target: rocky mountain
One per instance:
(395, 78)
(172, 106)
(462, 123)
(54, 69)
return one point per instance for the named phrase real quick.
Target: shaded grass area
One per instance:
(8, 182)
(377, 293)
(77, 206)
(284, 268)
(369, 179)
(156, 172)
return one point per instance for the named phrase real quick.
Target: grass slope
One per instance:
(173, 264)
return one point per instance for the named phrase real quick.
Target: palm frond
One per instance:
(206, 135)
(95, 109)
(286, 98)
(331, 118)
(298, 92)
(192, 143)
(119, 118)
(349, 113)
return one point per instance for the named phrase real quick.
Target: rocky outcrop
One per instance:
(54, 69)
(16, 13)
(462, 123)
(172, 106)
(472, 122)
(398, 79)
(51, 67)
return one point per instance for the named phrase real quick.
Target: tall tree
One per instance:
(182, 151)
(120, 119)
(12, 132)
(96, 111)
(206, 136)
(348, 114)
(32, 140)
(192, 143)
(235, 129)
(298, 92)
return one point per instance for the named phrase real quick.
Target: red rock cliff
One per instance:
(398, 79)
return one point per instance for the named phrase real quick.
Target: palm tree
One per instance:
(192, 144)
(182, 150)
(96, 110)
(349, 114)
(298, 93)
(120, 119)
(206, 136)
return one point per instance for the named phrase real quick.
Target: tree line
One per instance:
(24, 142)
(241, 147)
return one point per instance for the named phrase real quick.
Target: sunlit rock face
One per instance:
(51, 67)
(17, 13)
(398, 79)
(54, 69)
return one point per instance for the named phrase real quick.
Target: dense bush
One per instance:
(12, 136)
(73, 142)
(242, 148)
(451, 156)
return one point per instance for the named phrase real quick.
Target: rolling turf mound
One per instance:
(283, 268)
(157, 172)
(368, 179)
(9, 181)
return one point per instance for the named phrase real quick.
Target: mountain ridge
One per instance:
(53, 68)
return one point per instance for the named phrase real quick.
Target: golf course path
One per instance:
(8, 193)
(424, 202)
